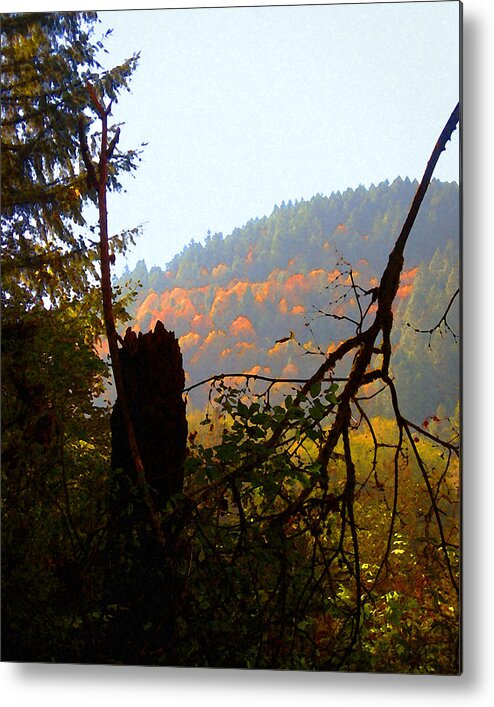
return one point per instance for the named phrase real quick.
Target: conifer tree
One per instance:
(46, 59)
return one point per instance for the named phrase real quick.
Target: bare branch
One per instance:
(443, 320)
(252, 376)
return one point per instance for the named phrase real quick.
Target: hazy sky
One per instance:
(243, 108)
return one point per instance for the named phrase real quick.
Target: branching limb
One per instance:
(444, 545)
(443, 320)
(448, 445)
(250, 376)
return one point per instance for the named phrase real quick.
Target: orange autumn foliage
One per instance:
(409, 275)
(296, 284)
(290, 370)
(189, 341)
(264, 291)
(404, 291)
(249, 258)
(151, 302)
(406, 282)
(242, 326)
(201, 323)
(243, 347)
(219, 270)
(217, 336)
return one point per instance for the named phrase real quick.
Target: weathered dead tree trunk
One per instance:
(154, 379)
(142, 583)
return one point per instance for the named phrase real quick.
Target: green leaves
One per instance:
(44, 60)
(330, 395)
(315, 389)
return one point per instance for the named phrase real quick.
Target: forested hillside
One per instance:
(288, 276)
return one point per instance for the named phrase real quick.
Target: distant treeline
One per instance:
(289, 276)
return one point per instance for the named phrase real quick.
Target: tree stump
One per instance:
(154, 381)
(141, 584)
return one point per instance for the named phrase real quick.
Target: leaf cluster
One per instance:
(272, 576)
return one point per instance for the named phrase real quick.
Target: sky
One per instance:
(245, 107)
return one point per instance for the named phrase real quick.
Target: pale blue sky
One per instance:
(243, 108)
